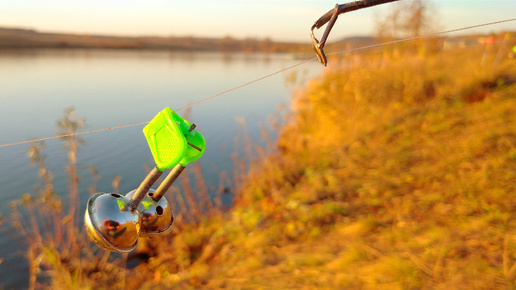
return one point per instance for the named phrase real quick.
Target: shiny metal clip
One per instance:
(330, 17)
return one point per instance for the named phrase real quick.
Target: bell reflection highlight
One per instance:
(110, 223)
(156, 216)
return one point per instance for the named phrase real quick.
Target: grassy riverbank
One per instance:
(393, 172)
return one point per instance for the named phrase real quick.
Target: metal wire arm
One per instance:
(330, 17)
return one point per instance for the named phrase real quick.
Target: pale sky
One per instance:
(278, 19)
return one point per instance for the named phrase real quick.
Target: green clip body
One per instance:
(173, 140)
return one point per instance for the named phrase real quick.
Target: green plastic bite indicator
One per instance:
(186, 145)
(173, 142)
(115, 222)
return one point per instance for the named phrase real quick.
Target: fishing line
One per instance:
(73, 134)
(264, 77)
(144, 123)
(246, 84)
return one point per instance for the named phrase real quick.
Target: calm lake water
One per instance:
(111, 88)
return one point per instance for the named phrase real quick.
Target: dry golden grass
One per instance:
(393, 173)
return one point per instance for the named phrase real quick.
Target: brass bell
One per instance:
(156, 216)
(110, 222)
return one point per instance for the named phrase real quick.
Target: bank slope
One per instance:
(395, 172)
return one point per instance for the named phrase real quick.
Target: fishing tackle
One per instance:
(330, 17)
(113, 221)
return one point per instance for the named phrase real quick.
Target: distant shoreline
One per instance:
(18, 38)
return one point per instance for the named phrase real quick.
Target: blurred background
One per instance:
(271, 183)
